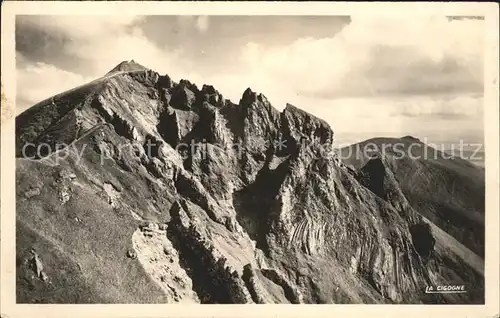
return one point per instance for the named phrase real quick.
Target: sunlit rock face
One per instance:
(166, 192)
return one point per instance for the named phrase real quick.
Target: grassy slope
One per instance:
(82, 243)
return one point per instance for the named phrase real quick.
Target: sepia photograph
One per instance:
(218, 158)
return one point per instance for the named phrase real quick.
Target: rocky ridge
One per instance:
(259, 210)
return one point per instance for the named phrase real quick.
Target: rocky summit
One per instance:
(136, 189)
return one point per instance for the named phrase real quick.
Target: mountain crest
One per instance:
(183, 196)
(128, 66)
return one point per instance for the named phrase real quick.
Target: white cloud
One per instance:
(107, 41)
(99, 41)
(401, 76)
(202, 23)
(83, 27)
(38, 81)
(105, 52)
(378, 56)
(377, 74)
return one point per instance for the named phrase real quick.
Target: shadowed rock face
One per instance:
(422, 239)
(373, 176)
(248, 205)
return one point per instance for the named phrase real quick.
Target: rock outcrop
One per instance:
(242, 203)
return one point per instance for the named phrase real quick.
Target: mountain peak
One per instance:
(410, 138)
(127, 66)
(229, 202)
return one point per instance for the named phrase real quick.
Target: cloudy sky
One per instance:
(366, 76)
